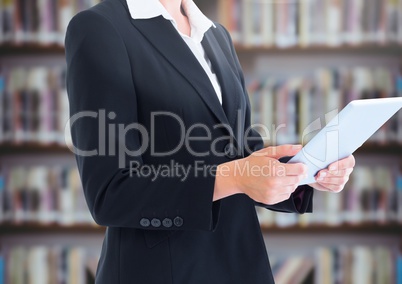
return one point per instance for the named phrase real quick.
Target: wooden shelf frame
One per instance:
(391, 148)
(321, 229)
(36, 228)
(389, 49)
(31, 49)
(33, 148)
(10, 49)
(371, 229)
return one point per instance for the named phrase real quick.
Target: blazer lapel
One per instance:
(230, 86)
(164, 37)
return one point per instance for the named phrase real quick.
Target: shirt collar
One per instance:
(147, 9)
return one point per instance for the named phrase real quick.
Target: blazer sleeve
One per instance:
(301, 200)
(99, 79)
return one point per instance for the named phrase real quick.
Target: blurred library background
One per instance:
(301, 59)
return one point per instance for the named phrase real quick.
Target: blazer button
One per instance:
(230, 151)
(156, 222)
(167, 222)
(145, 222)
(178, 221)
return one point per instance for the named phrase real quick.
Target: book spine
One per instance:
(2, 106)
(399, 268)
(2, 21)
(267, 23)
(399, 195)
(2, 195)
(334, 19)
(2, 269)
(247, 24)
(399, 24)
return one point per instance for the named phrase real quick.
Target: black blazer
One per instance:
(163, 229)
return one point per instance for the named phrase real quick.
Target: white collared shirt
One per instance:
(199, 23)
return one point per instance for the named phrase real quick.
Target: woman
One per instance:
(168, 161)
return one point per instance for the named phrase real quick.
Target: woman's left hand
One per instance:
(334, 178)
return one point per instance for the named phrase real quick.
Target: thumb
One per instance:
(277, 152)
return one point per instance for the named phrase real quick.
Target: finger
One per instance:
(297, 169)
(342, 164)
(340, 173)
(277, 152)
(333, 180)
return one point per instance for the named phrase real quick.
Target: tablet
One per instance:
(345, 133)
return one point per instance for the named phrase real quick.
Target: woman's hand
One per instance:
(261, 176)
(334, 178)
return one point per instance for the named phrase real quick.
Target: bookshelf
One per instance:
(315, 239)
(39, 223)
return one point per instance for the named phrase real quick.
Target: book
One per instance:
(398, 87)
(236, 20)
(8, 7)
(399, 268)
(2, 104)
(267, 27)
(38, 264)
(399, 194)
(43, 194)
(312, 22)
(334, 22)
(354, 264)
(2, 195)
(35, 105)
(42, 22)
(2, 269)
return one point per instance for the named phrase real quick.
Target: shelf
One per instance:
(33, 148)
(30, 49)
(381, 148)
(382, 229)
(11, 229)
(38, 148)
(386, 229)
(389, 49)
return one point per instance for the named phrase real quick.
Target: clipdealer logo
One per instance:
(112, 136)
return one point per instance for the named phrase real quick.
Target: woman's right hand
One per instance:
(261, 176)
